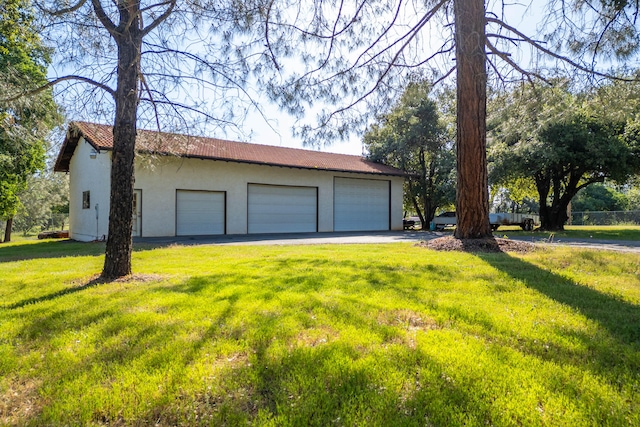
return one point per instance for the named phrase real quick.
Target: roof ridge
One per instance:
(101, 137)
(209, 138)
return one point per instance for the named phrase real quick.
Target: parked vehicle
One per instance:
(526, 221)
(411, 223)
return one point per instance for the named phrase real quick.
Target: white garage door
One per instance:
(199, 213)
(360, 205)
(282, 209)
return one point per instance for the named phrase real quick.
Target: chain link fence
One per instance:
(605, 218)
(33, 225)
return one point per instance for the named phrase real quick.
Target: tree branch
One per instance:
(60, 12)
(549, 52)
(56, 81)
(513, 64)
(103, 18)
(159, 19)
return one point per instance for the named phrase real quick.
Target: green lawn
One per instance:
(606, 232)
(375, 335)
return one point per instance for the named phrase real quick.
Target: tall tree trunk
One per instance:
(117, 262)
(553, 218)
(416, 206)
(8, 229)
(472, 192)
(414, 201)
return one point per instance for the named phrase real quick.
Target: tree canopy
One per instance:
(24, 122)
(412, 137)
(599, 197)
(551, 136)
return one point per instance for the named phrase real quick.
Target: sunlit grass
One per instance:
(319, 335)
(605, 232)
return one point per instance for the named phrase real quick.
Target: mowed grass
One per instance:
(604, 232)
(376, 335)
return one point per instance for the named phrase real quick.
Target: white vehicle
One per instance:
(526, 221)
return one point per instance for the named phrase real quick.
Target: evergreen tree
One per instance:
(24, 122)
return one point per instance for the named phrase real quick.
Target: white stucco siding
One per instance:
(397, 195)
(93, 175)
(160, 178)
(160, 182)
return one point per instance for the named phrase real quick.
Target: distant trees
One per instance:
(24, 122)
(550, 136)
(45, 203)
(412, 137)
(599, 197)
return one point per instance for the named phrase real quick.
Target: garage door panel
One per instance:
(200, 213)
(361, 204)
(282, 209)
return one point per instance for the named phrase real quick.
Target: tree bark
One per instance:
(119, 246)
(472, 191)
(7, 230)
(553, 218)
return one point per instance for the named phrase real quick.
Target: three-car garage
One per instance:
(199, 186)
(358, 205)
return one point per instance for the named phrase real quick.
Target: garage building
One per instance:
(187, 186)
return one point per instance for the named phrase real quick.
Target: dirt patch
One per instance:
(97, 280)
(20, 402)
(407, 319)
(450, 243)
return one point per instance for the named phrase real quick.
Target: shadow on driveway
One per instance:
(296, 238)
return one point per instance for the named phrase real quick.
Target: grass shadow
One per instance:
(620, 318)
(90, 284)
(61, 249)
(49, 249)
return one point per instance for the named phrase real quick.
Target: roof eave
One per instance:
(251, 162)
(69, 145)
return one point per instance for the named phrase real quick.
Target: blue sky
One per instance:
(526, 16)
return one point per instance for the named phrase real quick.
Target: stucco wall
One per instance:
(93, 175)
(159, 178)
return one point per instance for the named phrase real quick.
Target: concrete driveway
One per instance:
(368, 238)
(297, 238)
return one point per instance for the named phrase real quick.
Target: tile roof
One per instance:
(101, 137)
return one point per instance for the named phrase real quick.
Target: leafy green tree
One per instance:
(43, 202)
(550, 137)
(412, 138)
(599, 197)
(25, 122)
(513, 194)
(632, 193)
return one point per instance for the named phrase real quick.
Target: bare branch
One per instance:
(409, 36)
(56, 81)
(553, 54)
(160, 19)
(103, 18)
(212, 69)
(145, 85)
(164, 3)
(266, 36)
(176, 105)
(60, 12)
(444, 76)
(333, 34)
(505, 57)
